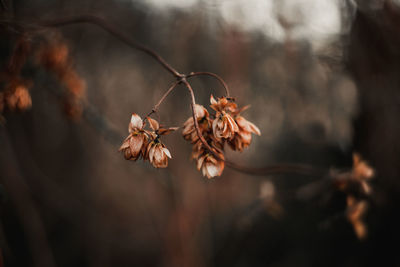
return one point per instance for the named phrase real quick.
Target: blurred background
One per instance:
(322, 80)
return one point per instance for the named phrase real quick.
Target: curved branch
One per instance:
(272, 169)
(102, 23)
(222, 82)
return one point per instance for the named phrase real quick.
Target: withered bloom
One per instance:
(18, 97)
(242, 138)
(158, 154)
(156, 151)
(355, 184)
(54, 57)
(356, 210)
(189, 131)
(211, 166)
(361, 173)
(135, 144)
(224, 125)
(355, 180)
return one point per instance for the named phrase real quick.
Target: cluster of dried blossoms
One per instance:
(14, 95)
(225, 126)
(356, 185)
(146, 144)
(52, 55)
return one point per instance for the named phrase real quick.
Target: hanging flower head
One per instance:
(156, 151)
(210, 165)
(242, 138)
(189, 131)
(136, 142)
(224, 126)
(355, 212)
(146, 143)
(362, 173)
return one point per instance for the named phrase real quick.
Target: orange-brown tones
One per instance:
(54, 57)
(355, 184)
(225, 126)
(146, 143)
(135, 144)
(356, 210)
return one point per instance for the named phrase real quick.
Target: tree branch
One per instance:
(223, 83)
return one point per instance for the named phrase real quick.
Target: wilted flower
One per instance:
(355, 184)
(361, 173)
(158, 154)
(223, 104)
(156, 151)
(18, 98)
(189, 131)
(224, 126)
(242, 138)
(356, 179)
(356, 209)
(211, 166)
(136, 142)
(54, 57)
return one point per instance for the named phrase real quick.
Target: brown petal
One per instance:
(211, 170)
(200, 111)
(151, 153)
(124, 145)
(127, 154)
(158, 153)
(136, 121)
(213, 101)
(135, 144)
(153, 123)
(165, 131)
(200, 162)
(255, 129)
(166, 151)
(242, 109)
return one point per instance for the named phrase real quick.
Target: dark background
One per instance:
(70, 199)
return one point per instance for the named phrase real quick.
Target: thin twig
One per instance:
(223, 83)
(156, 106)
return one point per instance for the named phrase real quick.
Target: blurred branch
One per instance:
(102, 23)
(28, 213)
(223, 83)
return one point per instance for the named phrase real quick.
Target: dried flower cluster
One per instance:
(225, 126)
(355, 185)
(15, 96)
(146, 144)
(53, 55)
(15, 93)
